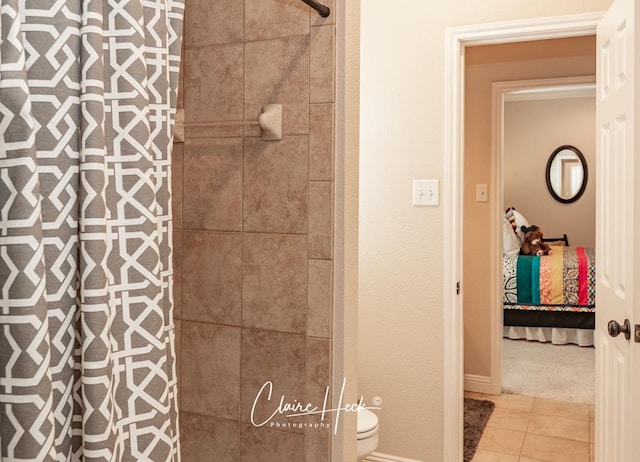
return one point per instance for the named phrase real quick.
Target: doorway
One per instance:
(457, 40)
(538, 116)
(485, 69)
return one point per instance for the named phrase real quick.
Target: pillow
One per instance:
(517, 222)
(509, 239)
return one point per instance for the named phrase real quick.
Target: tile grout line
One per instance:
(526, 430)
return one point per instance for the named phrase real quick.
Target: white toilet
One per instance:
(367, 433)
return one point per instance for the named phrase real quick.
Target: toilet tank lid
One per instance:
(367, 420)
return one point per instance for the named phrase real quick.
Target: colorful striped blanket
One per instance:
(562, 281)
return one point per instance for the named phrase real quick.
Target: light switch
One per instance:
(482, 193)
(426, 192)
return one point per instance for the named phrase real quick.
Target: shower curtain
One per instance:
(87, 101)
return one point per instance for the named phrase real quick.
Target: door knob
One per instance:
(616, 329)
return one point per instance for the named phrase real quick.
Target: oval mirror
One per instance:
(567, 174)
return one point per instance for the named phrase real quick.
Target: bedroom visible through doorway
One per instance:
(563, 112)
(485, 65)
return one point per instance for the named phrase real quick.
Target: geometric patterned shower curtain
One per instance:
(87, 105)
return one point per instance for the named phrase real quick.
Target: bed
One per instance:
(550, 297)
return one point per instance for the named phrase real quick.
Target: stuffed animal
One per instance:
(533, 244)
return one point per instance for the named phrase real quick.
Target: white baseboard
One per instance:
(379, 457)
(479, 384)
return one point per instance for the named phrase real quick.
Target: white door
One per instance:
(618, 233)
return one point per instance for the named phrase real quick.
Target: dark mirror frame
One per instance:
(584, 178)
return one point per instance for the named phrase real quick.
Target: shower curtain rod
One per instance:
(320, 8)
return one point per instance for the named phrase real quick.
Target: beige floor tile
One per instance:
(552, 449)
(504, 438)
(509, 419)
(514, 402)
(490, 456)
(571, 429)
(557, 408)
(501, 440)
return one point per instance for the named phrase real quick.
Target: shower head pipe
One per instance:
(323, 10)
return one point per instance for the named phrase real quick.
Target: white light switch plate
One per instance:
(426, 192)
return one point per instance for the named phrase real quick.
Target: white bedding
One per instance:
(555, 335)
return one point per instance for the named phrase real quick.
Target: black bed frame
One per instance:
(537, 318)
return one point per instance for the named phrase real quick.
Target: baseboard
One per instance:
(479, 384)
(379, 457)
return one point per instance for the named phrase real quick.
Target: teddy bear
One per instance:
(533, 243)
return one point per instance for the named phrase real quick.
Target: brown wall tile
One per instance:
(322, 67)
(274, 287)
(275, 357)
(213, 83)
(250, 216)
(210, 370)
(320, 298)
(213, 22)
(213, 184)
(265, 445)
(205, 438)
(177, 273)
(178, 346)
(321, 141)
(318, 377)
(212, 277)
(320, 220)
(318, 370)
(317, 445)
(269, 19)
(176, 183)
(275, 185)
(277, 71)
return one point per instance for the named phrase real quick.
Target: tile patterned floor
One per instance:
(526, 429)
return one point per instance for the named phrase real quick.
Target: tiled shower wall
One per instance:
(253, 235)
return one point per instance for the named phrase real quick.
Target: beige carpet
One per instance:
(544, 370)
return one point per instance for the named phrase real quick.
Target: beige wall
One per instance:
(532, 131)
(477, 168)
(254, 226)
(401, 256)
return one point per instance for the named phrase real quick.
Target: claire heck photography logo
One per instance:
(282, 411)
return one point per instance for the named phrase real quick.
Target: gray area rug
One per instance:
(476, 416)
(544, 370)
